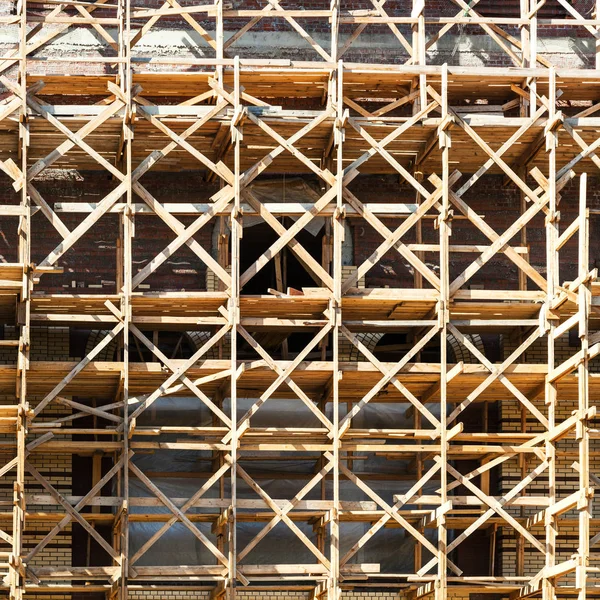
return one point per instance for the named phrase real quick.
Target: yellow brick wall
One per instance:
(46, 344)
(567, 477)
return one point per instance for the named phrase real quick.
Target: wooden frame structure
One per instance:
(224, 116)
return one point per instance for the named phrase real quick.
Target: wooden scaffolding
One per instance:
(441, 130)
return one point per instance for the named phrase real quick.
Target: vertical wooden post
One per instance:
(523, 464)
(220, 41)
(335, 307)
(582, 432)
(525, 53)
(127, 264)
(418, 276)
(532, 56)
(443, 314)
(418, 552)
(524, 11)
(16, 568)
(234, 319)
(548, 585)
(335, 30)
(523, 207)
(418, 40)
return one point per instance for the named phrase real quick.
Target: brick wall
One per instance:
(567, 477)
(90, 266)
(91, 262)
(57, 469)
(465, 46)
(499, 205)
(46, 344)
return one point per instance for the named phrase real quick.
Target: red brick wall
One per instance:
(320, 28)
(92, 259)
(500, 207)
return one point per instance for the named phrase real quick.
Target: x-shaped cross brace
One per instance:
(179, 514)
(177, 9)
(282, 514)
(73, 511)
(87, 19)
(287, 236)
(378, 4)
(379, 147)
(482, 519)
(105, 341)
(289, 506)
(392, 239)
(179, 228)
(288, 144)
(494, 156)
(219, 169)
(496, 507)
(381, 228)
(175, 518)
(75, 139)
(36, 43)
(283, 376)
(394, 513)
(305, 258)
(497, 245)
(389, 377)
(76, 234)
(184, 235)
(493, 31)
(529, 445)
(497, 372)
(480, 223)
(220, 199)
(405, 499)
(179, 373)
(274, 9)
(499, 242)
(13, 463)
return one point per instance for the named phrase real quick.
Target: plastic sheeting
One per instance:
(178, 546)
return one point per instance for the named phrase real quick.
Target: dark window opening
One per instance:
(86, 471)
(393, 346)
(258, 239)
(289, 274)
(174, 344)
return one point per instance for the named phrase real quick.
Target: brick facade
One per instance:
(91, 269)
